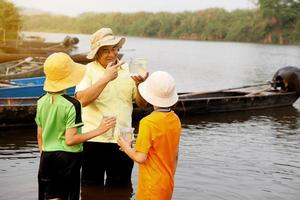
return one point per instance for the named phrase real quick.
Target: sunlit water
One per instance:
(240, 155)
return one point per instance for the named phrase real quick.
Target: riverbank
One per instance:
(205, 25)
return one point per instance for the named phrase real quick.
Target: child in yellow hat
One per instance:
(59, 130)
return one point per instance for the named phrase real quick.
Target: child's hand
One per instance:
(106, 124)
(123, 143)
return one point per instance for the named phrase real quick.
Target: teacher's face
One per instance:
(107, 54)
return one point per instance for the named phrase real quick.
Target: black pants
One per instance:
(59, 175)
(100, 158)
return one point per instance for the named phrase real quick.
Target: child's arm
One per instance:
(139, 157)
(39, 138)
(72, 138)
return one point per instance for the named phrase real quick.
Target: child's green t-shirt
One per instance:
(55, 114)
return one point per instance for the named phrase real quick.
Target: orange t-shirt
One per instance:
(158, 137)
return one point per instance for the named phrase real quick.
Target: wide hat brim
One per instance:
(117, 40)
(146, 93)
(69, 81)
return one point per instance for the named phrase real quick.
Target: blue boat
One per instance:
(27, 87)
(18, 102)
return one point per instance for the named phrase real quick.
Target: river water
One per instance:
(239, 155)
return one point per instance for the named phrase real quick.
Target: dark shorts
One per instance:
(59, 175)
(105, 158)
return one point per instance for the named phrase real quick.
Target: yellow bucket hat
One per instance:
(61, 72)
(103, 37)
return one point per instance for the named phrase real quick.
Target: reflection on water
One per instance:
(239, 155)
(284, 116)
(99, 192)
(18, 163)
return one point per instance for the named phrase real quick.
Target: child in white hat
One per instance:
(156, 148)
(59, 130)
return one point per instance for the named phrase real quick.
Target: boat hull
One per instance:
(22, 109)
(237, 103)
(18, 103)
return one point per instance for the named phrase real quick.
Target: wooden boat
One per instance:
(193, 104)
(33, 38)
(18, 102)
(23, 68)
(33, 68)
(7, 57)
(18, 49)
(34, 50)
(39, 42)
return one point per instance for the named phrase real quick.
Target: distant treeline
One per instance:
(274, 21)
(210, 24)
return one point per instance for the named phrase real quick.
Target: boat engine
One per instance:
(287, 79)
(70, 41)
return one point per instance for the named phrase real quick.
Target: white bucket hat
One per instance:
(159, 89)
(103, 37)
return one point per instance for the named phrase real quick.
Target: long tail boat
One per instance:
(19, 49)
(18, 98)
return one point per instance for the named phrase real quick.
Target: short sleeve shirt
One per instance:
(158, 137)
(55, 114)
(115, 99)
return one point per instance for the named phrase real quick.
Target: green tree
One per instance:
(10, 20)
(216, 24)
(280, 14)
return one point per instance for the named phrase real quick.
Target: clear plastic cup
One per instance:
(138, 66)
(127, 133)
(112, 131)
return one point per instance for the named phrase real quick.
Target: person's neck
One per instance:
(158, 109)
(58, 93)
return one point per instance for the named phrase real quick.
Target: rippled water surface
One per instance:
(240, 155)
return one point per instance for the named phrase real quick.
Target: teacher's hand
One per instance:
(111, 70)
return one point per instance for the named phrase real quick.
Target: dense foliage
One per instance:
(283, 18)
(10, 21)
(275, 21)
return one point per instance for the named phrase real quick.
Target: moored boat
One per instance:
(34, 50)
(39, 42)
(18, 102)
(23, 68)
(19, 49)
(7, 57)
(29, 67)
